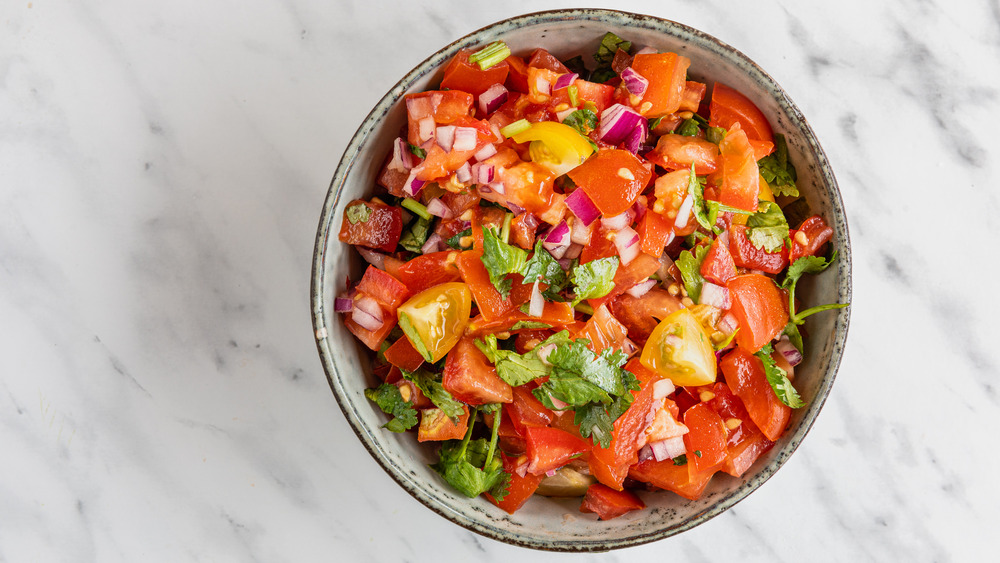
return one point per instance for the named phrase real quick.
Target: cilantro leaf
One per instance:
(431, 387)
(778, 379)
(805, 265)
(697, 192)
(543, 267)
(680, 460)
(416, 236)
(501, 259)
(417, 151)
(583, 120)
(471, 466)
(517, 369)
(794, 336)
(358, 213)
(687, 128)
(715, 134)
(610, 44)
(456, 241)
(390, 400)
(594, 279)
(767, 229)
(689, 263)
(777, 171)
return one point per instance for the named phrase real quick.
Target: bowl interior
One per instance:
(548, 523)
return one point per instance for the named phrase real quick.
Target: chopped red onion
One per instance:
(530, 221)
(413, 186)
(728, 324)
(483, 173)
(515, 208)
(565, 263)
(641, 288)
(557, 240)
(629, 347)
(635, 83)
(573, 251)
(565, 80)
(580, 233)
(645, 453)
(487, 151)
(639, 208)
(669, 448)
(492, 98)
(617, 222)
(684, 213)
(537, 303)
(343, 304)
(550, 473)
(445, 137)
(433, 244)
(521, 469)
(627, 243)
(663, 388)
(788, 350)
(402, 158)
(665, 263)
(437, 208)
(581, 206)
(715, 295)
(618, 122)
(559, 405)
(542, 86)
(647, 50)
(498, 187)
(562, 115)
(466, 139)
(365, 320)
(544, 351)
(464, 173)
(376, 259)
(425, 129)
(637, 137)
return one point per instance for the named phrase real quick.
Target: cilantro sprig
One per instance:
(802, 266)
(473, 466)
(689, 263)
(777, 170)
(778, 379)
(595, 279)
(767, 229)
(432, 388)
(517, 369)
(390, 400)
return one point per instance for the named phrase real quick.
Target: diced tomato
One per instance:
(387, 290)
(679, 152)
(517, 78)
(428, 270)
(745, 375)
(410, 392)
(718, 266)
(492, 305)
(608, 503)
(543, 59)
(391, 265)
(692, 96)
(740, 174)
(671, 189)
(677, 478)
(471, 378)
(402, 355)
(746, 255)
(610, 465)
(520, 489)
(522, 231)
(380, 229)
(729, 407)
(541, 81)
(435, 426)
(558, 315)
(809, 238)
(742, 455)
(654, 231)
(707, 435)
(393, 179)
(627, 276)
(603, 331)
(667, 76)
(440, 107)
(761, 148)
(530, 186)
(489, 217)
(371, 338)
(440, 163)
(613, 179)
(551, 448)
(464, 76)
(601, 95)
(729, 107)
(640, 315)
(526, 411)
(759, 310)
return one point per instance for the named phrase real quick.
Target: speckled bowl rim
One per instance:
(490, 33)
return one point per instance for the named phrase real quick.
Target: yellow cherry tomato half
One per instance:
(680, 350)
(557, 147)
(435, 319)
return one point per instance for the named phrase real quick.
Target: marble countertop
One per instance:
(162, 169)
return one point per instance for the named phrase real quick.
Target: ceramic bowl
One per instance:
(548, 523)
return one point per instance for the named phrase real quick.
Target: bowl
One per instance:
(553, 524)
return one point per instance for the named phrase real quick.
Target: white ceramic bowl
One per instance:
(543, 523)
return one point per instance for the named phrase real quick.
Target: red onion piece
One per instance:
(665, 264)
(445, 137)
(466, 139)
(485, 152)
(515, 208)
(537, 303)
(581, 233)
(629, 347)
(635, 83)
(668, 449)
(789, 351)
(543, 86)
(492, 98)
(521, 469)
(581, 206)
(437, 208)
(550, 473)
(728, 324)
(562, 115)
(413, 186)
(627, 243)
(425, 129)
(365, 320)
(402, 158)
(617, 123)
(376, 259)
(343, 304)
(498, 187)
(464, 173)
(663, 388)
(641, 288)
(617, 222)
(483, 173)
(645, 453)
(573, 251)
(530, 221)
(639, 208)
(565, 80)
(558, 404)
(684, 213)
(433, 244)
(637, 137)
(557, 240)
(715, 295)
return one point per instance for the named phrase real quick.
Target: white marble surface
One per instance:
(162, 167)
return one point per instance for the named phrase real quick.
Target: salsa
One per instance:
(581, 282)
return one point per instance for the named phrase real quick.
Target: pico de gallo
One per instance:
(581, 282)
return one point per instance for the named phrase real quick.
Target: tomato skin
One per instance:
(816, 233)
(729, 107)
(743, 455)
(517, 78)
(530, 186)
(601, 95)
(603, 331)
(387, 290)
(740, 173)
(381, 231)
(666, 73)
(609, 503)
(541, 58)
(745, 375)
(746, 255)
(526, 411)
(403, 355)
(371, 338)
(677, 478)
(718, 266)
(464, 76)
(559, 315)
(707, 434)
(691, 98)
(679, 152)
(470, 377)
(428, 270)
(613, 179)
(435, 426)
(551, 448)
(520, 489)
(759, 309)
(654, 231)
(640, 315)
(492, 306)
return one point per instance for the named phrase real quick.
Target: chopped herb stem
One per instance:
(417, 207)
(584, 308)
(505, 229)
(572, 92)
(490, 55)
(514, 128)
